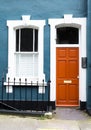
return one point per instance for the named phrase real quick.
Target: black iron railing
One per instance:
(18, 95)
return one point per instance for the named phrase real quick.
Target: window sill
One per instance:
(26, 53)
(24, 82)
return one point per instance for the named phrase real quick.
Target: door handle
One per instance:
(78, 77)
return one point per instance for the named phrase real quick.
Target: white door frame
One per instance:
(68, 21)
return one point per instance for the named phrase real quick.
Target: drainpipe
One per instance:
(88, 106)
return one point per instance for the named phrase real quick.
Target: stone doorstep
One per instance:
(51, 129)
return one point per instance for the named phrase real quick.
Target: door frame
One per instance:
(68, 21)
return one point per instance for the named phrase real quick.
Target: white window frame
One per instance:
(31, 54)
(24, 23)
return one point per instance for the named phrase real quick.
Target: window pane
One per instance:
(35, 65)
(67, 35)
(17, 40)
(36, 40)
(26, 39)
(27, 65)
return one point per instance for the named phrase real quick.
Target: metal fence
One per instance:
(24, 96)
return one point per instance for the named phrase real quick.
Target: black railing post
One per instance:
(48, 84)
(14, 90)
(2, 87)
(14, 93)
(20, 91)
(37, 96)
(43, 93)
(31, 95)
(25, 102)
(8, 88)
(25, 89)
(14, 81)
(25, 81)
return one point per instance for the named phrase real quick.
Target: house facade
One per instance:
(43, 41)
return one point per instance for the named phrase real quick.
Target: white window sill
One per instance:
(11, 83)
(26, 53)
(24, 81)
(25, 84)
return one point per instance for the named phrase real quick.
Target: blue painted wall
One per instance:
(38, 9)
(89, 56)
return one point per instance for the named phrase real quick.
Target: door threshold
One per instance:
(67, 105)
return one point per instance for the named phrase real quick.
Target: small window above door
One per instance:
(67, 35)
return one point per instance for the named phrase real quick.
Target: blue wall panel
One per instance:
(38, 9)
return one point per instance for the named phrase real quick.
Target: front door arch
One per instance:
(68, 21)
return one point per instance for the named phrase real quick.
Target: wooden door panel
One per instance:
(61, 98)
(73, 94)
(67, 70)
(61, 65)
(73, 72)
(61, 53)
(72, 53)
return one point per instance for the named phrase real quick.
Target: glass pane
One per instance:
(67, 35)
(17, 65)
(27, 65)
(17, 40)
(24, 65)
(36, 40)
(26, 39)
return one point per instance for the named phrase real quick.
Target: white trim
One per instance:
(68, 21)
(12, 26)
(26, 17)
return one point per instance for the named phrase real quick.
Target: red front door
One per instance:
(67, 71)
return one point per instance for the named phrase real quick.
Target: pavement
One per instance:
(63, 119)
